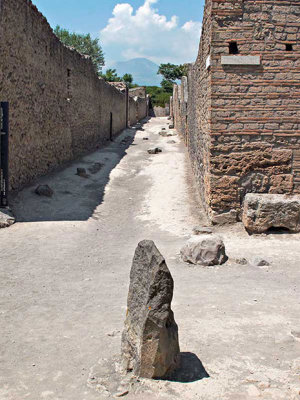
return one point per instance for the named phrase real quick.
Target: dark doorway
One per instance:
(4, 131)
(111, 127)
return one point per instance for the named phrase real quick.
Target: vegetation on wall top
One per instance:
(84, 44)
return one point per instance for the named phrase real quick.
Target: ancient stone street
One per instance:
(65, 268)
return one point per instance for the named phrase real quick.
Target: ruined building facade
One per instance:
(59, 108)
(239, 108)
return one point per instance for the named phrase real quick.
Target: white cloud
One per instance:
(146, 33)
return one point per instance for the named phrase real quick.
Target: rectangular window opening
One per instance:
(289, 47)
(233, 48)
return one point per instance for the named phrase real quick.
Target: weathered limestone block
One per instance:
(44, 190)
(229, 217)
(199, 230)
(204, 250)
(150, 338)
(156, 150)
(82, 172)
(6, 218)
(264, 211)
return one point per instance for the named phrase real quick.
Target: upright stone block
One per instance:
(150, 347)
(265, 211)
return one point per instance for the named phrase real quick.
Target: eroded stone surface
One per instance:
(6, 218)
(265, 211)
(204, 250)
(150, 347)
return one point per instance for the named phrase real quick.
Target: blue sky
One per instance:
(161, 30)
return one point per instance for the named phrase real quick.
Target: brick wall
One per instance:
(59, 108)
(244, 120)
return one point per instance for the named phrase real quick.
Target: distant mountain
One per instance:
(144, 71)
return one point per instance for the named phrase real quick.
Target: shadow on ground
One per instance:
(75, 197)
(191, 369)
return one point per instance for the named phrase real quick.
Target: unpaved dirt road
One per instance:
(64, 275)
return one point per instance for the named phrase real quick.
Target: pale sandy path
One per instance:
(64, 278)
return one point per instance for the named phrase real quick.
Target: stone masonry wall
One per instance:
(132, 111)
(160, 111)
(196, 127)
(244, 120)
(59, 108)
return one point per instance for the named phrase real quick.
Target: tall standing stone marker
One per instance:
(150, 347)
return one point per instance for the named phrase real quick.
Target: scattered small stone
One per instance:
(155, 151)
(241, 261)
(113, 334)
(122, 393)
(253, 391)
(82, 172)
(44, 190)
(171, 142)
(126, 140)
(145, 138)
(163, 129)
(171, 126)
(150, 347)
(95, 168)
(167, 134)
(260, 262)
(204, 250)
(6, 218)
(199, 230)
(296, 334)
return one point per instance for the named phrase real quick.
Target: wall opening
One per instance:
(111, 127)
(233, 48)
(69, 84)
(289, 47)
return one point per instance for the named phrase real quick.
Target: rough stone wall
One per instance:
(59, 108)
(244, 120)
(193, 118)
(142, 107)
(160, 111)
(138, 92)
(176, 109)
(133, 116)
(180, 94)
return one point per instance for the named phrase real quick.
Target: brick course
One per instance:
(243, 121)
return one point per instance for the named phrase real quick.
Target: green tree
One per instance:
(167, 86)
(111, 76)
(84, 44)
(128, 78)
(158, 96)
(172, 72)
